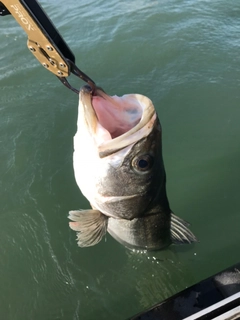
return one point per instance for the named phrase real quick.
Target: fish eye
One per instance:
(142, 163)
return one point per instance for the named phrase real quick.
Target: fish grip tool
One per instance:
(44, 41)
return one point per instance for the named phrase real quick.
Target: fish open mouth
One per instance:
(116, 114)
(116, 122)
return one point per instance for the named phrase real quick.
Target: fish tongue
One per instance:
(91, 226)
(116, 114)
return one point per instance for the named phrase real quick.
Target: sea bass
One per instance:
(119, 168)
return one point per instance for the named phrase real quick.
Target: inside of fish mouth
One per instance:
(116, 114)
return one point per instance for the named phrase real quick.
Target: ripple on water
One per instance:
(28, 258)
(184, 55)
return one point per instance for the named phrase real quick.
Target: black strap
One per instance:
(3, 10)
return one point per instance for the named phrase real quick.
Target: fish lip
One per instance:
(87, 89)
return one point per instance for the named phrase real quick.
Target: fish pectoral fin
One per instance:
(91, 226)
(180, 233)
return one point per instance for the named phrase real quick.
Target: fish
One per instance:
(118, 167)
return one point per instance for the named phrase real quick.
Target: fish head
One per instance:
(118, 155)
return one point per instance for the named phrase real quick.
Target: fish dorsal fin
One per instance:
(91, 226)
(180, 233)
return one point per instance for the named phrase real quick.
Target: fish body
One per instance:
(119, 168)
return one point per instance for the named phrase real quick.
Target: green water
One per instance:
(184, 55)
